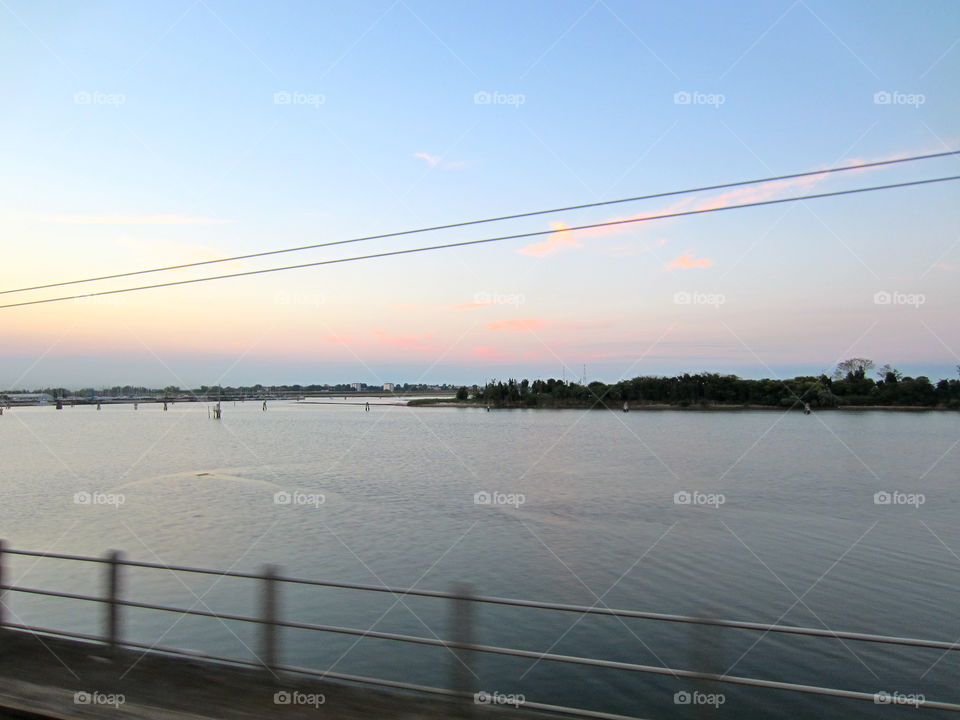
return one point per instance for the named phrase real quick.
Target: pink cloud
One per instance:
(437, 161)
(556, 242)
(431, 160)
(516, 325)
(687, 261)
(735, 196)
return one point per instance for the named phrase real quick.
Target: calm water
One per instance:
(798, 539)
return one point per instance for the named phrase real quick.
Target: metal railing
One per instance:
(461, 603)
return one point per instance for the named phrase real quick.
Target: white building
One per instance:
(388, 387)
(356, 386)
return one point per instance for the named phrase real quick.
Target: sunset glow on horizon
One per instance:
(109, 170)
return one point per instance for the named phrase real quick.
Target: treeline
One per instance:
(850, 384)
(214, 390)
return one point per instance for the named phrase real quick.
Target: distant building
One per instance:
(388, 387)
(356, 386)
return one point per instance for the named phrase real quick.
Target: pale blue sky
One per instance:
(136, 134)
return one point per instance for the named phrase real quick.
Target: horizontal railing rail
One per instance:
(513, 602)
(270, 622)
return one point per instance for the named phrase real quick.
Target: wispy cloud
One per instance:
(687, 261)
(431, 160)
(438, 161)
(554, 243)
(736, 196)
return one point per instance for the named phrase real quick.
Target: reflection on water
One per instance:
(754, 516)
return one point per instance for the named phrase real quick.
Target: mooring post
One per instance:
(461, 632)
(269, 627)
(3, 587)
(114, 588)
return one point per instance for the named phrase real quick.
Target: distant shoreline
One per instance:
(641, 407)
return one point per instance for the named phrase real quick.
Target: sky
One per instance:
(136, 135)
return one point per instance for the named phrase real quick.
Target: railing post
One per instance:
(269, 627)
(707, 656)
(461, 632)
(114, 589)
(3, 587)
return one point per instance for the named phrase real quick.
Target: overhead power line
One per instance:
(516, 216)
(465, 243)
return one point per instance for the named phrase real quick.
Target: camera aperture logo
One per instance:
(899, 498)
(895, 97)
(294, 697)
(685, 697)
(495, 298)
(93, 697)
(85, 97)
(695, 497)
(299, 498)
(498, 698)
(714, 300)
(495, 97)
(895, 297)
(98, 498)
(295, 97)
(695, 97)
(514, 500)
(884, 697)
